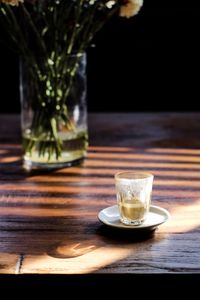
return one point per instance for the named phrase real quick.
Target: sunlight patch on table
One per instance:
(184, 217)
(88, 263)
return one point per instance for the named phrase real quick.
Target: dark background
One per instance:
(150, 62)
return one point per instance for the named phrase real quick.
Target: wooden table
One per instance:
(48, 221)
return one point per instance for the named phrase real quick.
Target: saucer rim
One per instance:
(165, 213)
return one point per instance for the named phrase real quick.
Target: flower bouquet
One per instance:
(51, 37)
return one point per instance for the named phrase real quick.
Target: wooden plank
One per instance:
(156, 254)
(9, 263)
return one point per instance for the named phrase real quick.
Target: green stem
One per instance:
(34, 28)
(76, 26)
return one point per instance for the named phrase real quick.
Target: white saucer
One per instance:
(155, 217)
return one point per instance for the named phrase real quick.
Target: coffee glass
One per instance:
(133, 191)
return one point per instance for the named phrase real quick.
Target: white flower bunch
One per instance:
(128, 8)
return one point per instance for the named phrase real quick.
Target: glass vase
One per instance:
(53, 111)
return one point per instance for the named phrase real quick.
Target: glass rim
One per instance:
(132, 175)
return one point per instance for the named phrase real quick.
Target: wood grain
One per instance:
(48, 220)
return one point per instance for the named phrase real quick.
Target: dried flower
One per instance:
(130, 8)
(12, 2)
